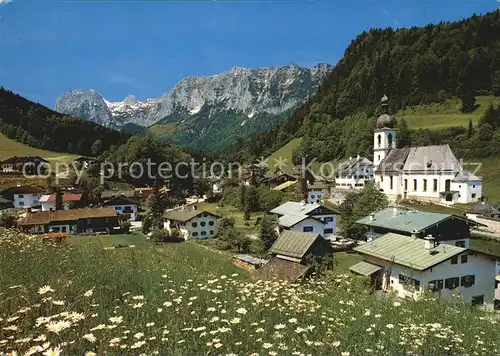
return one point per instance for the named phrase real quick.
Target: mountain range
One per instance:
(207, 113)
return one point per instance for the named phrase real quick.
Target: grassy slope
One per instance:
(440, 116)
(284, 152)
(9, 148)
(229, 210)
(173, 299)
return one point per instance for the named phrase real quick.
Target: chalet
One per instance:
(83, 162)
(70, 200)
(410, 266)
(285, 174)
(28, 164)
(143, 193)
(446, 228)
(483, 210)
(316, 192)
(353, 173)
(5, 203)
(123, 206)
(193, 224)
(24, 196)
(302, 217)
(70, 221)
(291, 253)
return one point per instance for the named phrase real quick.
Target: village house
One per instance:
(283, 187)
(70, 201)
(16, 164)
(109, 194)
(75, 221)
(483, 210)
(410, 266)
(316, 192)
(291, 255)
(446, 228)
(192, 223)
(303, 217)
(24, 196)
(123, 206)
(354, 173)
(83, 162)
(428, 173)
(282, 175)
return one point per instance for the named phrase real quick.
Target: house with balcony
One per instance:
(25, 196)
(193, 224)
(303, 217)
(75, 221)
(123, 206)
(410, 266)
(353, 173)
(446, 228)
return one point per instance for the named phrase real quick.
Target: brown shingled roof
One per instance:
(46, 217)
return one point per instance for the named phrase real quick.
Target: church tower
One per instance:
(384, 137)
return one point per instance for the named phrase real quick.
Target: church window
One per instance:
(435, 185)
(414, 185)
(406, 184)
(425, 185)
(379, 140)
(391, 182)
(378, 157)
(389, 137)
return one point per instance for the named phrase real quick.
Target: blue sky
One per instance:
(145, 47)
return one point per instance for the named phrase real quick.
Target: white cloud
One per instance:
(5, 2)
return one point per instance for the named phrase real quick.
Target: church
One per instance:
(429, 173)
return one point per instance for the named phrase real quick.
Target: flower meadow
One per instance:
(182, 299)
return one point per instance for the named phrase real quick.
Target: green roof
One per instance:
(185, 215)
(408, 251)
(365, 268)
(406, 220)
(293, 244)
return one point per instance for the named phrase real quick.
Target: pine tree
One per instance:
(241, 196)
(156, 204)
(495, 87)
(59, 199)
(470, 132)
(267, 231)
(251, 199)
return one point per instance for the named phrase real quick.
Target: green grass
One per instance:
(489, 171)
(344, 260)
(137, 239)
(284, 152)
(443, 115)
(485, 244)
(184, 299)
(9, 148)
(229, 210)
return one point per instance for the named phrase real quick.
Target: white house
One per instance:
(316, 192)
(25, 196)
(123, 206)
(354, 173)
(193, 224)
(410, 266)
(429, 173)
(303, 217)
(48, 202)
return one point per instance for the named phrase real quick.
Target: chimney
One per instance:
(358, 157)
(414, 234)
(395, 211)
(429, 242)
(350, 158)
(372, 217)
(183, 207)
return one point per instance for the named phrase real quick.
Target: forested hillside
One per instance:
(412, 66)
(38, 126)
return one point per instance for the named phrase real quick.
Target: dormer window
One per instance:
(379, 140)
